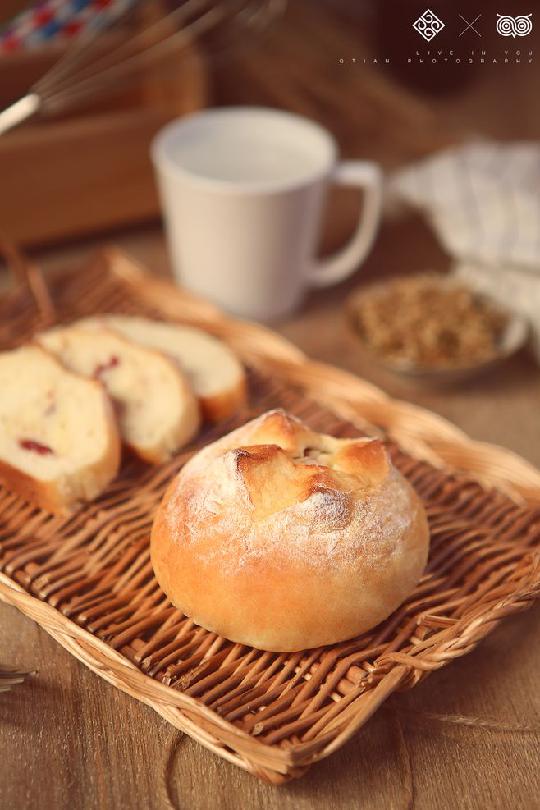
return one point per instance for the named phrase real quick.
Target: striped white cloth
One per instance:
(483, 201)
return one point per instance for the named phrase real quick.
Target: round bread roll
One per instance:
(283, 539)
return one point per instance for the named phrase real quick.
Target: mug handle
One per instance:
(368, 177)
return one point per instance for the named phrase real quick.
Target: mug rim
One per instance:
(164, 162)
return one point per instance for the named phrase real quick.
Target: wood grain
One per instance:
(72, 741)
(98, 158)
(69, 740)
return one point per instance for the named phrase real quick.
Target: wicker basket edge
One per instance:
(421, 432)
(269, 762)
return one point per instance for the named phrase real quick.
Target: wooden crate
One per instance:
(91, 170)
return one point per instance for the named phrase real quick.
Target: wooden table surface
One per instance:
(467, 737)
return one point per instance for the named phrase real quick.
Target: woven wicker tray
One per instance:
(88, 580)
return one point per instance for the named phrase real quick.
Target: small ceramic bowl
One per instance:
(512, 338)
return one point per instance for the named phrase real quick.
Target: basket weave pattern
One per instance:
(88, 581)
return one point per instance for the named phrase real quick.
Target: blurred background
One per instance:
(75, 179)
(356, 66)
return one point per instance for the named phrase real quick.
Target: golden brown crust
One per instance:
(107, 470)
(284, 539)
(277, 427)
(218, 407)
(62, 495)
(42, 494)
(186, 427)
(215, 407)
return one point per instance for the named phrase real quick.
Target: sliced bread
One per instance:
(157, 410)
(215, 373)
(59, 441)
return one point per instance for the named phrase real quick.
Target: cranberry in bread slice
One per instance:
(59, 441)
(158, 412)
(283, 538)
(215, 373)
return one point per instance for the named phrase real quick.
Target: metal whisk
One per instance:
(11, 677)
(94, 64)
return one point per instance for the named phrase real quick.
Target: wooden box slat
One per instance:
(87, 579)
(98, 155)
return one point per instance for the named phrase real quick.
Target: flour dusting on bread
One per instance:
(284, 538)
(311, 530)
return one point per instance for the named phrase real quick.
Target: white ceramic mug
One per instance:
(242, 191)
